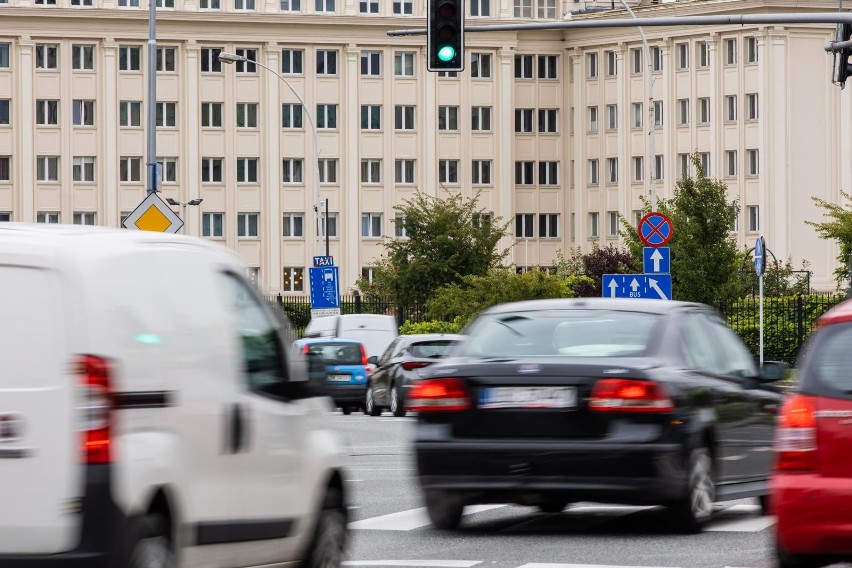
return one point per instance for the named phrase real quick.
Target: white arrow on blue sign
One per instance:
(647, 286)
(325, 292)
(656, 260)
(760, 256)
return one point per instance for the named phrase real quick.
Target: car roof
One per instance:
(306, 340)
(621, 304)
(411, 338)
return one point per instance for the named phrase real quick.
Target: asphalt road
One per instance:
(390, 528)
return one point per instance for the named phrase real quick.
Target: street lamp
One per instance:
(194, 202)
(230, 58)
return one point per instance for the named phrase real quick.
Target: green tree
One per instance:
(448, 238)
(703, 254)
(839, 228)
(780, 279)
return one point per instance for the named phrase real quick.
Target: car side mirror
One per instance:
(772, 371)
(373, 360)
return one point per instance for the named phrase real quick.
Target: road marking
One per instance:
(409, 520)
(415, 563)
(748, 524)
(548, 565)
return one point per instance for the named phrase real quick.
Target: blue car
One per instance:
(339, 364)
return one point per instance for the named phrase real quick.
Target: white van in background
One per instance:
(153, 411)
(375, 331)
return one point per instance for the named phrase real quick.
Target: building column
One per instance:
(625, 117)
(504, 199)
(773, 120)
(107, 164)
(24, 167)
(579, 151)
(350, 202)
(270, 192)
(714, 53)
(429, 154)
(191, 166)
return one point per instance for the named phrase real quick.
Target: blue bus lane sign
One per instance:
(646, 286)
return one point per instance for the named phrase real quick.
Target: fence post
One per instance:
(280, 301)
(357, 295)
(800, 331)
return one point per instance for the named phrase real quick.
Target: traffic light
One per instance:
(445, 35)
(841, 68)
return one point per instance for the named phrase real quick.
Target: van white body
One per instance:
(375, 331)
(149, 395)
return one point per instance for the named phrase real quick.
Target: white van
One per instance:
(151, 411)
(375, 331)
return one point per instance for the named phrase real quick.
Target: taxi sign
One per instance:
(153, 214)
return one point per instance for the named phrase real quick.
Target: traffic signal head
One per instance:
(445, 35)
(841, 69)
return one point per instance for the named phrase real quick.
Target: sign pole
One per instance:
(760, 269)
(760, 278)
(152, 97)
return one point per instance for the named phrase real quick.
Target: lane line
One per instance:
(549, 565)
(415, 563)
(409, 520)
(742, 525)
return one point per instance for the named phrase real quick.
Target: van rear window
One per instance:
(432, 349)
(338, 353)
(831, 358)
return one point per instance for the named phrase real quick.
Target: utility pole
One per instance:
(152, 97)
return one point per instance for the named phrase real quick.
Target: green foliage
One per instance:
(838, 228)
(583, 273)
(703, 254)
(434, 326)
(780, 279)
(448, 239)
(299, 314)
(476, 293)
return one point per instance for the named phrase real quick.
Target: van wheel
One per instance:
(444, 509)
(347, 410)
(148, 544)
(396, 406)
(370, 406)
(329, 540)
(690, 514)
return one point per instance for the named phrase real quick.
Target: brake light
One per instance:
(795, 435)
(306, 350)
(433, 395)
(96, 407)
(629, 395)
(411, 365)
(364, 356)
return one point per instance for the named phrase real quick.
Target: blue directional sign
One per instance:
(325, 292)
(648, 286)
(656, 260)
(323, 261)
(760, 256)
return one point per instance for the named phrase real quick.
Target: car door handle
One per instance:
(235, 430)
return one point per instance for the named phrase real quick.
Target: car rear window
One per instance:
(434, 349)
(831, 358)
(338, 353)
(561, 333)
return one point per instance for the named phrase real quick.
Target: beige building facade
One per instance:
(550, 126)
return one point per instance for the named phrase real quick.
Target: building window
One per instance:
(612, 170)
(611, 63)
(165, 3)
(5, 112)
(753, 218)
(327, 117)
(166, 60)
(47, 56)
(371, 171)
(448, 171)
(481, 174)
(369, 6)
(731, 163)
(703, 54)
(130, 169)
(594, 178)
(327, 170)
(683, 165)
(399, 230)
(448, 74)
(5, 216)
(753, 162)
(612, 224)
(683, 112)
(479, 8)
(167, 170)
(523, 120)
(371, 63)
(731, 108)
(371, 117)
(637, 216)
(290, 5)
(291, 115)
(636, 61)
(244, 5)
(246, 170)
(524, 173)
(548, 67)
(5, 168)
(637, 115)
(328, 221)
(548, 226)
(524, 224)
(247, 225)
(294, 225)
(704, 110)
(592, 65)
(292, 170)
(523, 8)
(658, 114)
(210, 60)
(167, 115)
(612, 117)
(213, 225)
(371, 225)
(547, 9)
(593, 118)
(47, 112)
(480, 119)
(249, 65)
(593, 225)
(735, 224)
(751, 50)
(83, 57)
(523, 67)
(291, 61)
(49, 217)
(45, 2)
(246, 115)
(548, 173)
(752, 112)
(448, 118)
(84, 218)
(406, 7)
(326, 62)
(403, 64)
(368, 273)
(324, 6)
(4, 55)
(657, 58)
(638, 168)
(480, 65)
(129, 58)
(659, 170)
(683, 56)
(403, 117)
(404, 171)
(210, 5)
(704, 157)
(84, 169)
(47, 168)
(211, 170)
(730, 52)
(211, 115)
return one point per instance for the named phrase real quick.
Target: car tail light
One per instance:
(629, 395)
(411, 365)
(364, 356)
(795, 435)
(432, 395)
(96, 406)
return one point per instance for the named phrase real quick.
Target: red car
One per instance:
(812, 480)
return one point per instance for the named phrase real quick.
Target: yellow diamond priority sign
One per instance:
(153, 215)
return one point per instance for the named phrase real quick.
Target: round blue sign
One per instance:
(759, 256)
(655, 229)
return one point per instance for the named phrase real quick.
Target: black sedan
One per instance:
(638, 402)
(402, 364)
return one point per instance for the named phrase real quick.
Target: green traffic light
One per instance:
(446, 53)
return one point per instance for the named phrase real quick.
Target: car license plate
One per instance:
(338, 378)
(527, 397)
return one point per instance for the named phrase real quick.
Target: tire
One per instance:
(552, 506)
(329, 538)
(370, 406)
(444, 510)
(396, 405)
(765, 505)
(786, 560)
(693, 512)
(346, 410)
(148, 544)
